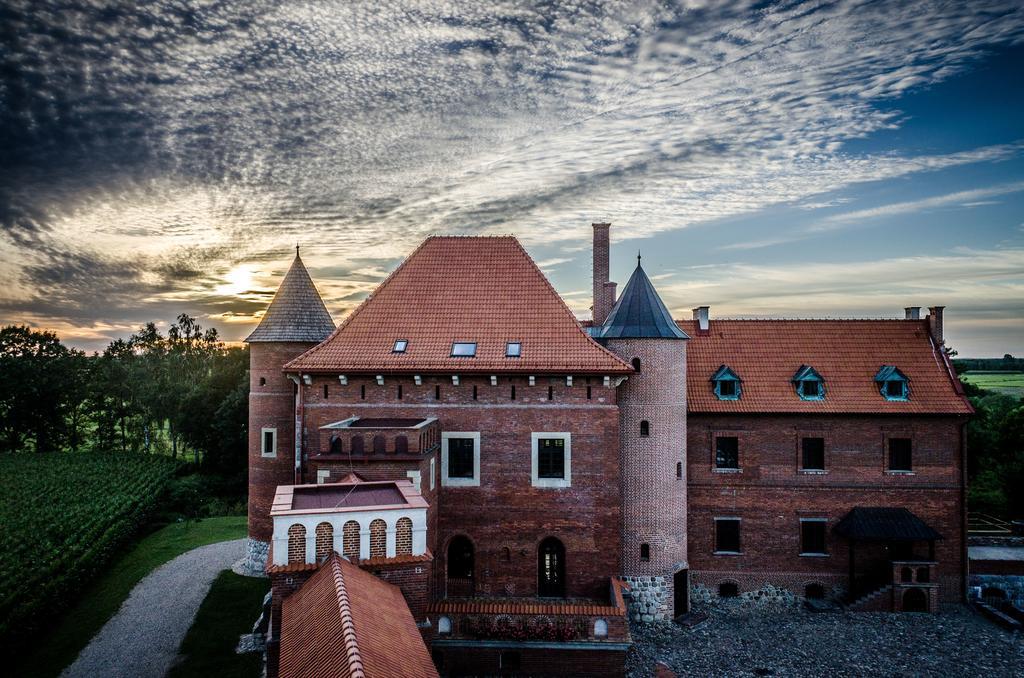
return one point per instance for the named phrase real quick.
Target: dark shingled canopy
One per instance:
(297, 312)
(640, 313)
(885, 524)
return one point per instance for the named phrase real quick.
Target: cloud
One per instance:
(148, 149)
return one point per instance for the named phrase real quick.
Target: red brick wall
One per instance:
(271, 405)
(506, 511)
(324, 540)
(473, 661)
(414, 579)
(770, 495)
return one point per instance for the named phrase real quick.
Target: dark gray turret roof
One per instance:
(640, 313)
(297, 312)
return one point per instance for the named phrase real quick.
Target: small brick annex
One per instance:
(637, 492)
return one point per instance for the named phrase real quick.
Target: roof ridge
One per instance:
(565, 306)
(348, 628)
(826, 319)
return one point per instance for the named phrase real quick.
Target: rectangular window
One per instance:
(810, 388)
(551, 458)
(726, 388)
(894, 389)
(513, 349)
(900, 457)
(268, 445)
(551, 462)
(433, 472)
(460, 457)
(463, 349)
(727, 452)
(812, 537)
(400, 346)
(812, 454)
(727, 535)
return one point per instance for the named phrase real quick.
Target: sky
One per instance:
(817, 159)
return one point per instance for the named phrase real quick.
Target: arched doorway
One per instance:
(460, 566)
(551, 569)
(915, 600)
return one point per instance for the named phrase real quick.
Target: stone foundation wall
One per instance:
(1011, 585)
(254, 562)
(648, 599)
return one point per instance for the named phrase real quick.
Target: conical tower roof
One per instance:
(640, 313)
(297, 312)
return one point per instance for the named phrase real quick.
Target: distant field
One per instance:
(64, 515)
(1010, 383)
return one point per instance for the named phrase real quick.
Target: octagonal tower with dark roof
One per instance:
(295, 321)
(652, 434)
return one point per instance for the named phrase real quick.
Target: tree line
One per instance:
(183, 394)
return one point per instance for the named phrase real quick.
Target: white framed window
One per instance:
(433, 472)
(460, 459)
(268, 442)
(551, 459)
(322, 475)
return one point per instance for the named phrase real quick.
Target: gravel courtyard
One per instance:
(735, 642)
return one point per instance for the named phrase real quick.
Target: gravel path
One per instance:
(796, 643)
(142, 639)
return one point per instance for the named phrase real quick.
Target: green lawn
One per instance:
(230, 608)
(56, 648)
(1010, 383)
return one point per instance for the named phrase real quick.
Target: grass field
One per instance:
(60, 645)
(230, 608)
(1010, 383)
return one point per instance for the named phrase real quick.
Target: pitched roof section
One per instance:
(485, 290)
(872, 523)
(297, 313)
(346, 622)
(640, 313)
(846, 353)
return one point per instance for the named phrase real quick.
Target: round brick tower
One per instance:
(295, 321)
(652, 432)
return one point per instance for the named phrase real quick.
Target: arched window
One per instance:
(378, 539)
(263, 381)
(600, 628)
(350, 540)
(357, 445)
(645, 428)
(403, 537)
(814, 591)
(728, 589)
(915, 600)
(324, 540)
(401, 445)
(296, 544)
(506, 555)
(444, 625)
(379, 444)
(551, 569)
(336, 445)
(636, 364)
(923, 575)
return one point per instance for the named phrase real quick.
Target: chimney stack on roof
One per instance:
(912, 312)
(604, 289)
(702, 314)
(935, 323)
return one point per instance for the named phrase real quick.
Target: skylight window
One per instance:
(727, 384)
(513, 349)
(809, 384)
(400, 346)
(463, 349)
(892, 384)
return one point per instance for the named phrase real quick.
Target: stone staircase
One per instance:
(879, 600)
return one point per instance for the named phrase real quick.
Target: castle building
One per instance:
(519, 485)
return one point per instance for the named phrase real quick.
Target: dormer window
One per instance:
(727, 384)
(400, 346)
(463, 349)
(809, 384)
(892, 384)
(513, 349)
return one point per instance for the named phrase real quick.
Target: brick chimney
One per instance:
(912, 312)
(604, 290)
(702, 314)
(935, 323)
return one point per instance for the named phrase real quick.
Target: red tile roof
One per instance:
(766, 354)
(346, 622)
(463, 289)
